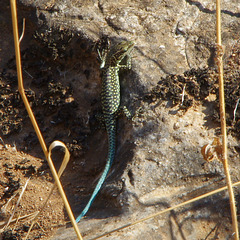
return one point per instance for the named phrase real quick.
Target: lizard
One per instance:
(110, 100)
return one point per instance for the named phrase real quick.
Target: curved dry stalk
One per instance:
(33, 120)
(61, 169)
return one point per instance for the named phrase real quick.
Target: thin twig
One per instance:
(9, 200)
(212, 230)
(40, 227)
(3, 143)
(235, 109)
(18, 218)
(28, 73)
(23, 31)
(18, 201)
(30, 218)
(183, 93)
(3, 223)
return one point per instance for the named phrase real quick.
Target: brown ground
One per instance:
(16, 168)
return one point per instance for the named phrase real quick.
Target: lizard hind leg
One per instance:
(124, 111)
(100, 118)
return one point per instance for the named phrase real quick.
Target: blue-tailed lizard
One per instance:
(111, 63)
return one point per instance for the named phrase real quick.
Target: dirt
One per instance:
(16, 168)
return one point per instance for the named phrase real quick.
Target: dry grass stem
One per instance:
(23, 31)
(3, 209)
(183, 92)
(3, 143)
(235, 109)
(17, 220)
(18, 201)
(166, 210)
(223, 120)
(28, 217)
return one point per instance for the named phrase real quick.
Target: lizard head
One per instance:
(119, 51)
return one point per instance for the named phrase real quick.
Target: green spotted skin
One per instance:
(110, 99)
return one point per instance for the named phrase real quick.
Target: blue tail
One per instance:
(111, 130)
